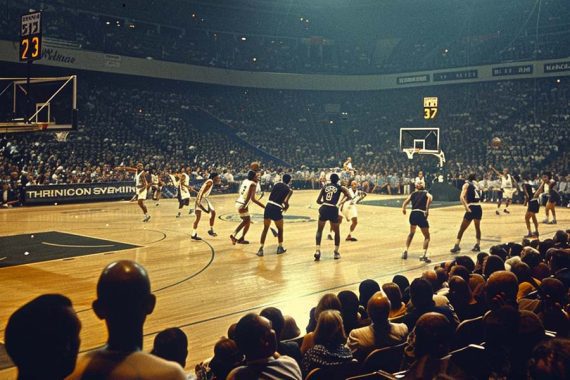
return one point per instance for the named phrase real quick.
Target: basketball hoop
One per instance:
(61, 136)
(410, 152)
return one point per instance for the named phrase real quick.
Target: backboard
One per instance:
(43, 104)
(421, 141)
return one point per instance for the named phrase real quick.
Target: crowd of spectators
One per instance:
(305, 40)
(503, 315)
(168, 126)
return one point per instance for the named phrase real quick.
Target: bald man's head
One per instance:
(504, 284)
(431, 277)
(123, 290)
(379, 308)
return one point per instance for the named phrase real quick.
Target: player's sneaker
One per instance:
(178, 215)
(405, 255)
(196, 237)
(281, 250)
(497, 212)
(260, 252)
(350, 238)
(552, 222)
(529, 235)
(476, 248)
(329, 237)
(455, 249)
(425, 259)
(336, 255)
(233, 239)
(545, 221)
(506, 211)
(317, 255)
(146, 218)
(535, 233)
(212, 233)
(242, 241)
(157, 204)
(191, 211)
(274, 231)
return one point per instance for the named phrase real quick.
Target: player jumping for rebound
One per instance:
(421, 200)
(328, 212)
(247, 191)
(507, 189)
(349, 210)
(533, 205)
(278, 203)
(141, 184)
(202, 197)
(470, 198)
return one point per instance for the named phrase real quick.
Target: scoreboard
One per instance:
(31, 37)
(430, 107)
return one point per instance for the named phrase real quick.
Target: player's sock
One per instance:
(280, 245)
(336, 248)
(457, 241)
(194, 233)
(318, 248)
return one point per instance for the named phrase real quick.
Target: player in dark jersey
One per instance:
(533, 206)
(278, 203)
(470, 198)
(552, 197)
(328, 212)
(421, 200)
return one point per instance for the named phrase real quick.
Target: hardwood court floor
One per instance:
(203, 287)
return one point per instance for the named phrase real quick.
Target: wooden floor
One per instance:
(203, 287)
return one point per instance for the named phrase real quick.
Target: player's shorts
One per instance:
(350, 212)
(328, 214)
(553, 197)
(208, 205)
(418, 218)
(242, 213)
(508, 193)
(475, 214)
(273, 212)
(183, 201)
(533, 206)
(141, 194)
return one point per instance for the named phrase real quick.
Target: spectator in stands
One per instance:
(42, 338)
(381, 333)
(257, 341)
(560, 266)
(171, 344)
(124, 300)
(349, 311)
(462, 300)
(492, 264)
(327, 302)
(329, 349)
(226, 357)
(397, 307)
(421, 296)
(432, 338)
(550, 360)
(366, 289)
(404, 285)
(290, 329)
(277, 320)
(527, 283)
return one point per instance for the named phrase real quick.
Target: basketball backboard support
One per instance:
(421, 141)
(42, 104)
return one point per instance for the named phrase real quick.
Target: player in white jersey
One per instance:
(420, 179)
(247, 192)
(156, 186)
(348, 208)
(141, 184)
(507, 189)
(182, 182)
(203, 204)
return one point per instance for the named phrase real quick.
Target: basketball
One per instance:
(496, 142)
(254, 166)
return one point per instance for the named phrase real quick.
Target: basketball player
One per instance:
(421, 200)
(329, 212)
(141, 184)
(533, 205)
(507, 189)
(246, 195)
(349, 210)
(156, 185)
(182, 182)
(552, 197)
(202, 197)
(278, 203)
(470, 198)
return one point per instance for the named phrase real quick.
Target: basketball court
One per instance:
(205, 286)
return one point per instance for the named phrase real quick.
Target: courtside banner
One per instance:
(81, 192)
